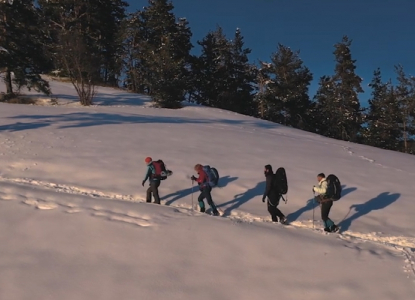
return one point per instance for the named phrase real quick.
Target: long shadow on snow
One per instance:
(123, 99)
(87, 119)
(70, 98)
(242, 198)
(108, 99)
(380, 202)
(23, 126)
(223, 181)
(313, 204)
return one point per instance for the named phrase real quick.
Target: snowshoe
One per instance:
(284, 221)
(334, 228)
(215, 213)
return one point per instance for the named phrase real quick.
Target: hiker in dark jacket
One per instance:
(205, 189)
(325, 203)
(154, 182)
(273, 197)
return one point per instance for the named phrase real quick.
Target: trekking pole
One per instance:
(314, 204)
(192, 197)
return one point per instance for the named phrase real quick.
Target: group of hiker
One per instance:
(328, 189)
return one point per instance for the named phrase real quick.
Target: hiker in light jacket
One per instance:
(154, 182)
(205, 189)
(325, 203)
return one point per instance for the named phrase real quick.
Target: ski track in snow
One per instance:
(404, 245)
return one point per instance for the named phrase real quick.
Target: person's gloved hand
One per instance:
(143, 183)
(193, 178)
(263, 199)
(313, 188)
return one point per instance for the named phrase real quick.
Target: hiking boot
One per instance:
(202, 209)
(215, 213)
(283, 220)
(334, 228)
(274, 219)
(326, 229)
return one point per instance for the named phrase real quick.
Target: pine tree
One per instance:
(241, 78)
(405, 95)
(327, 118)
(158, 53)
(131, 34)
(383, 117)
(287, 94)
(108, 16)
(210, 68)
(262, 79)
(337, 97)
(21, 35)
(222, 74)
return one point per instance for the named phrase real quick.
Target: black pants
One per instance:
(205, 194)
(325, 206)
(274, 210)
(153, 189)
(325, 210)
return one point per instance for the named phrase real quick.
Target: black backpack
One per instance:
(334, 187)
(280, 181)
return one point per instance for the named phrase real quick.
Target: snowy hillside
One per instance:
(73, 224)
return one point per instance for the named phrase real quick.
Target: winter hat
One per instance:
(198, 167)
(148, 160)
(268, 167)
(321, 175)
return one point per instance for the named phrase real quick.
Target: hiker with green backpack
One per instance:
(329, 190)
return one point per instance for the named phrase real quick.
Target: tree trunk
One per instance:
(405, 138)
(8, 81)
(261, 100)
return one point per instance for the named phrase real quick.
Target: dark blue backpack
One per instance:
(213, 175)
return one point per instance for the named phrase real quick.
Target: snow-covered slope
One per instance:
(73, 225)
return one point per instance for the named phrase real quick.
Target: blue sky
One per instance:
(383, 31)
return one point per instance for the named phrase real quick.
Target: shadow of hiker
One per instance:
(223, 181)
(380, 202)
(242, 198)
(346, 191)
(313, 204)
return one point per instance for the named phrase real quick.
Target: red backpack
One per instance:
(160, 171)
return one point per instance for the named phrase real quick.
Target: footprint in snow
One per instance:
(47, 206)
(40, 205)
(6, 197)
(73, 210)
(128, 220)
(31, 202)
